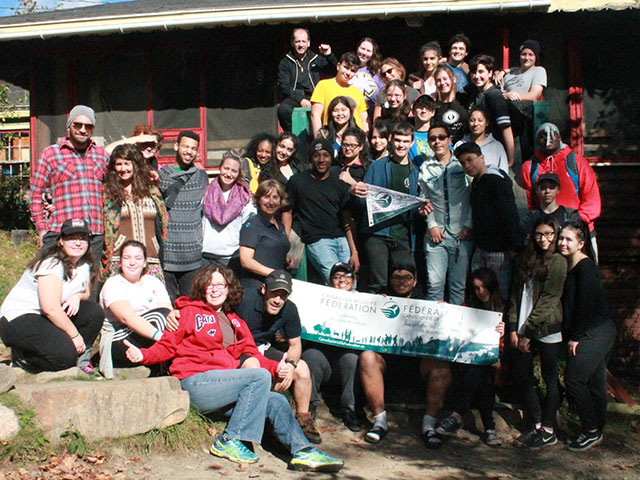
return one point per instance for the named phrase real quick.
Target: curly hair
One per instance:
(254, 143)
(535, 261)
(362, 140)
(375, 62)
(235, 291)
(266, 187)
(56, 251)
(141, 183)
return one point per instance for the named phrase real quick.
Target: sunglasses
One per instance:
(440, 137)
(87, 126)
(387, 72)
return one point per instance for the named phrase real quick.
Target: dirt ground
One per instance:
(401, 455)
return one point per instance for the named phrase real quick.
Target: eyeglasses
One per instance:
(148, 146)
(350, 146)
(87, 126)
(216, 286)
(402, 278)
(441, 137)
(386, 72)
(340, 276)
(547, 235)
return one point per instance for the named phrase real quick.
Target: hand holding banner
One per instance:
(383, 204)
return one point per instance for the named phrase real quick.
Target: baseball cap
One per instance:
(279, 280)
(550, 176)
(74, 225)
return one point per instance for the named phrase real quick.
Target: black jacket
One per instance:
(298, 78)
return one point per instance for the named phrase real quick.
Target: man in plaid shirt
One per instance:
(71, 171)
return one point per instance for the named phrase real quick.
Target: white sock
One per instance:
(428, 423)
(380, 420)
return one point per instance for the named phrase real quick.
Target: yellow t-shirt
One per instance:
(327, 90)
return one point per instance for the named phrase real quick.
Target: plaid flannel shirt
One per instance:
(74, 181)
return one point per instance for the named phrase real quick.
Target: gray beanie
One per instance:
(81, 110)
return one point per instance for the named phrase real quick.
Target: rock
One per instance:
(131, 373)
(7, 378)
(19, 236)
(106, 409)
(8, 423)
(23, 376)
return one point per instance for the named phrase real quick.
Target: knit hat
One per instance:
(320, 144)
(532, 45)
(81, 110)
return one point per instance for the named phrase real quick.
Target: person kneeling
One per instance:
(208, 350)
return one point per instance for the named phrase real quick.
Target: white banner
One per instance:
(383, 204)
(396, 325)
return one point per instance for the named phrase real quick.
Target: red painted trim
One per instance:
(149, 63)
(32, 116)
(505, 48)
(203, 109)
(576, 112)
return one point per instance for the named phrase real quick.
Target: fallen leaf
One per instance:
(254, 475)
(241, 468)
(214, 466)
(327, 429)
(223, 473)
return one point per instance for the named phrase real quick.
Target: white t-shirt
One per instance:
(521, 82)
(23, 297)
(148, 294)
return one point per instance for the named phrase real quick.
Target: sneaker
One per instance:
(91, 372)
(308, 427)
(313, 460)
(585, 441)
(431, 439)
(492, 439)
(449, 426)
(232, 449)
(540, 439)
(350, 420)
(520, 441)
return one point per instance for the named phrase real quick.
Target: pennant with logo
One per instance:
(383, 204)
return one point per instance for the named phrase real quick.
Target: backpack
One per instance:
(570, 164)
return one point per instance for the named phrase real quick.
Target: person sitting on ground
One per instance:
(216, 360)
(392, 69)
(547, 189)
(489, 97)
(226, 205)
(535, 324)
(47, 319)
(578, 183)
(424, 79)
(325, 361)
(133, 210)
(299, 73)
(259, 153)
(424, 108)
(340, 119)
(396, 108)
(328, 89)
(476, 382)
(136, 306)
(379, 141)
(459, 46)
(319, 202)
(275, 325)
(492, 150)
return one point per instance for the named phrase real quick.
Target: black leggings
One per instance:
(44, 346)
(523, 367)
(475, 386)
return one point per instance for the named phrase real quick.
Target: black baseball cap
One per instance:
(549, 176)
(75, 225)
(279, 280)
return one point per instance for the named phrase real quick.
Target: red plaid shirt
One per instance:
(74, 181)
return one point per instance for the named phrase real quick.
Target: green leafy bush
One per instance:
(14, 202)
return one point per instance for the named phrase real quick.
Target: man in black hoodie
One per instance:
(299, 72)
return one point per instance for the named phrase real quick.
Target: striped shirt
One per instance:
(74, 181)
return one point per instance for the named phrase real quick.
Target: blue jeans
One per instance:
(246, 395)
(326, 252)
(447, 258)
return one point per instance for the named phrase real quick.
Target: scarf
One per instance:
(220, 212)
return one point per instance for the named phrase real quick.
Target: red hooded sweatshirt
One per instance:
(196, 346)
(587, 201)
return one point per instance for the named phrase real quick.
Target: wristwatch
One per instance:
(291, 362)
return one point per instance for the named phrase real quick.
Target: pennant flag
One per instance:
(383, 204)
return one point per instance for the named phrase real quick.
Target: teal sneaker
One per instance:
(313, 460)
(233, 450)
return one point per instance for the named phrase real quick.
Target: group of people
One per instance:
(192, 277)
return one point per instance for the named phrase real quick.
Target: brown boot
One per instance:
(308, 427)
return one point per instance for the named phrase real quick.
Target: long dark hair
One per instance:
(490, 281)
(252, 146)
(56, 251)
(375, 62)
(330, 126)
(535, 261)
(583, 235)
(362, 140)
(141, 182)
(203, 278)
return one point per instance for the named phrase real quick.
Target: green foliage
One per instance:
(76, 443)
(14, 202)
(30, 443)
(13, 260)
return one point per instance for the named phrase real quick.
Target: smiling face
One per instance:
(341, 114)
(481, 291)
(345, 73)
(269, 203)
(569, 243)
(364, 52)
(395, 96)
(284, 150)
(229, 173)
(132, 263)
(351, 148)
(379, 143)
(439, 141)
(186, 151)
(124, 169)
(481, 77)
(457, 52)
(527, 59)
(300, 42)
(320, 162)
(472, 164)
(548, 143)
(217, 291)
(402, 282)
(342, 280)
(401, 145)
(444, 83)
(430, 61)
(389, 72)
(423, 113)
(273, 300)
(80, 132)
(74, 246)
(544, 236)
(477, 123)
(264, 152)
